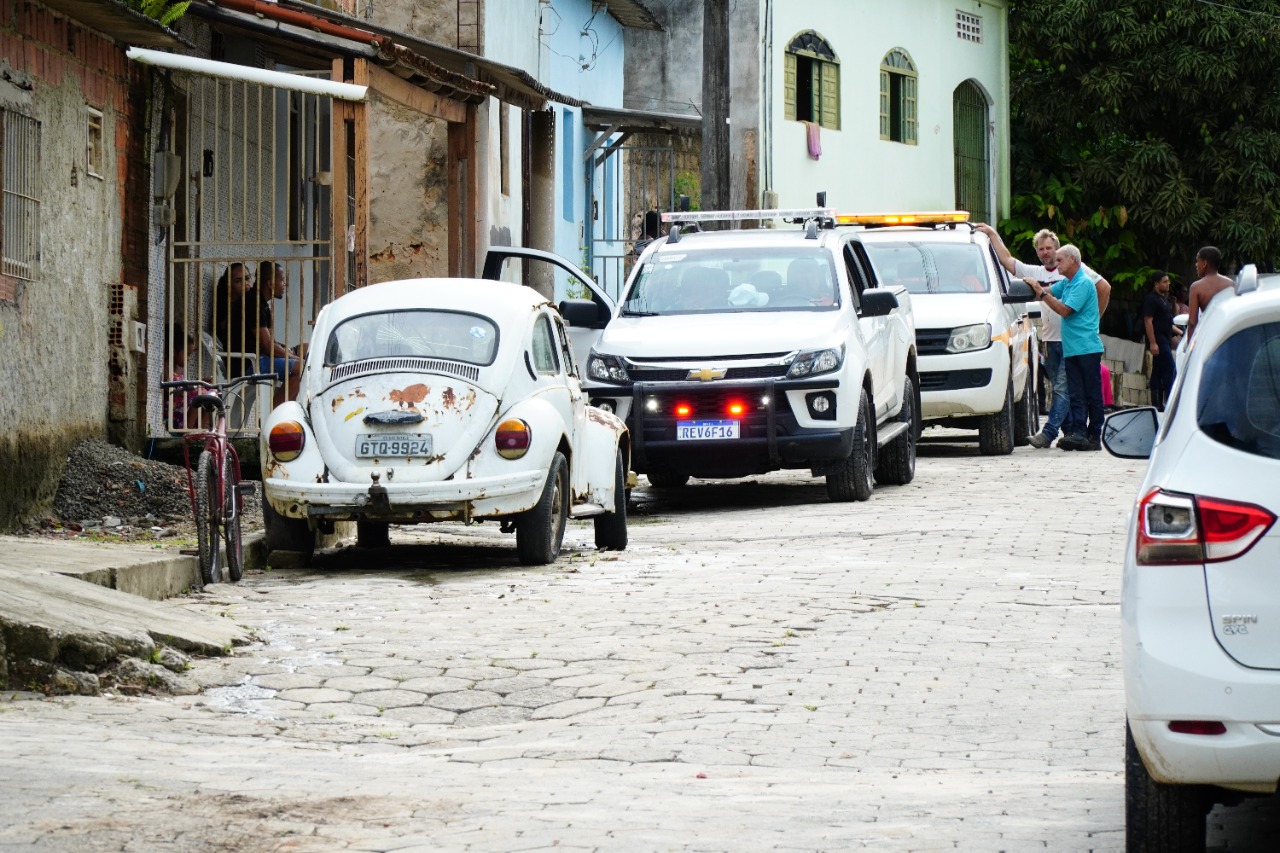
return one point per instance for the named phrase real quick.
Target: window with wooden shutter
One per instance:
(811, 81)
(789, 87)
(899, 121)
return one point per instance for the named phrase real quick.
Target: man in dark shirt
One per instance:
(1157, 321)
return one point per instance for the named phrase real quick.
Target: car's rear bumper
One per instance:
(1175, 670)
(463, 498)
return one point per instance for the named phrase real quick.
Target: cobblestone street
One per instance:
(935, 669)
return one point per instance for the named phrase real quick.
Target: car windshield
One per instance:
(425, 334)
(1239, 401)
(930, 267)
(673, 281)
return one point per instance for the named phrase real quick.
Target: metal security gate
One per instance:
(246, 186)
(624, 183)
(972, 157)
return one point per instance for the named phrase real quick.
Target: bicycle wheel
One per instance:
(234, 507)
(208, 518)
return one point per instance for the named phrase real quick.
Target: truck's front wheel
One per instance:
(995, 432)
(852, 482)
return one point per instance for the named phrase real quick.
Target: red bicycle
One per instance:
(217, 495)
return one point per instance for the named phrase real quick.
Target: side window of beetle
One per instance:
(566, 349)
(544, 347)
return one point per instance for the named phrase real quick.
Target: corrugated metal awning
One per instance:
(638, 121)
(629, 13)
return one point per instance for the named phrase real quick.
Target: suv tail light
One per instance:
(1176, 529)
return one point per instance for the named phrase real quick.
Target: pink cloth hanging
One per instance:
(812, 131)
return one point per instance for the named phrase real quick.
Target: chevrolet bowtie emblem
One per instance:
(706, 374)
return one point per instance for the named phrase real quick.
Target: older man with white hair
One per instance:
(1075, 300)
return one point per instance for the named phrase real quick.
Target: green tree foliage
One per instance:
(162, 11)
(1144, 129)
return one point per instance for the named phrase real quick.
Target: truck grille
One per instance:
(932, 341)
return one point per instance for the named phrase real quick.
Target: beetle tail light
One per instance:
(287, 440)
(512, 438)
(1177, 529)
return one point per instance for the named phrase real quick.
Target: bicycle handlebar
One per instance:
(220, 388)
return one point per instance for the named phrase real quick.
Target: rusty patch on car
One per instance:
(603, 418)
(409, 397)
(276, 470)
(358, 393)
(450, 399)
(337, 401)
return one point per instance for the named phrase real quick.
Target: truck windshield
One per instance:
(930, 267)
(708, 282)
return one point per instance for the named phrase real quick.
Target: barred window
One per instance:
(898, 120)
(20, 237)
(811, 81)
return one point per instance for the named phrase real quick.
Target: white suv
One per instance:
(739, 352)
(1200, 602)
(974, 334)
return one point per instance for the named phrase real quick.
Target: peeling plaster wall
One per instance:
(408, 193)
(433, 20)
(54, 331)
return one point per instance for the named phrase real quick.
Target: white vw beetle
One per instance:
(443, 400)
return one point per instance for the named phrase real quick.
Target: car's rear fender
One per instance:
(308, 467)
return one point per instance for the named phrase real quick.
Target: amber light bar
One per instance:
(920, 218)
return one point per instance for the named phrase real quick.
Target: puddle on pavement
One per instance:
(240, 698)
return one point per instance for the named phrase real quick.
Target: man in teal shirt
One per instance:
(1075, 299)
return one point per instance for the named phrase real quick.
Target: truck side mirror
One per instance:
(878, 303)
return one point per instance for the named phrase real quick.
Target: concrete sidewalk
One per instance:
(50, 615)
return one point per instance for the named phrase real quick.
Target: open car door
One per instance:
(585, 325)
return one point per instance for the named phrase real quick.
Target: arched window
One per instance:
(898, 122)
(811, 80)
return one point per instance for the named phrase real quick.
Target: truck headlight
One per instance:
(606, 368)
(969, 338)
(816, 362)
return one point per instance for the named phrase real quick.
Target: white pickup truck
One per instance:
(739, 352)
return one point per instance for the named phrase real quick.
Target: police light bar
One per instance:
(745, 215)
(920, 218)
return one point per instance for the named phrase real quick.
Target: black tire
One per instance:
(896, 465)
(373, 534)
(611, 528)
(540, 531)
(208, 519)
(1160, 818)
(667, 479)
(231, 533)
(1026, 416)
(853, 481)
(995, 432)
(287, 534)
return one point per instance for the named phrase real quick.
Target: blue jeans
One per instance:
(279, 365)
(1084, 387)
(1056, 371)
